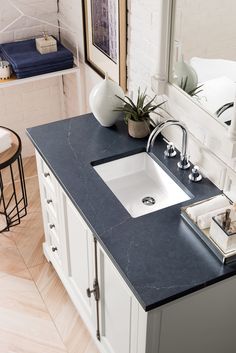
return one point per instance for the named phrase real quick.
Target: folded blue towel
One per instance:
(23, 54)
(44, 70)
(44, 67)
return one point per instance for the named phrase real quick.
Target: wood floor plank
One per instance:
(68, 322)
(29, 234)
(25, 324)
(10, 259)
(36, 313)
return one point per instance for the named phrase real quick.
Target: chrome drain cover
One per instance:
(148, 201)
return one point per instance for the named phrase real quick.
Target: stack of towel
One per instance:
(26, 61)
(5, 140)
(202, 213)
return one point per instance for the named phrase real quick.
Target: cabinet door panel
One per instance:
(202, 322)
(80, 244)
(118, 310)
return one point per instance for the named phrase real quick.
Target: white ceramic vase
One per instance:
(103, 101)
(184, 71)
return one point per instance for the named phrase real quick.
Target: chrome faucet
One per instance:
(183, 163)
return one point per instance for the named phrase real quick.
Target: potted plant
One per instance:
(137, 115)
(192, 91)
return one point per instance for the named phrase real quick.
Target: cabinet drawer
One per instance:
(50, 200)
(53, 235)
(46, 175)
(52, 226)
(55, 246)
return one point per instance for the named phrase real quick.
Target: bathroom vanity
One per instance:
(141, 285)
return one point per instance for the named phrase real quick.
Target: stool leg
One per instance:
(14, 194)
(4, 211)
(22, 181)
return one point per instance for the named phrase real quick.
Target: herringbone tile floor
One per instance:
(36, 314)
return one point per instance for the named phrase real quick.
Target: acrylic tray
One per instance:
(204, 235)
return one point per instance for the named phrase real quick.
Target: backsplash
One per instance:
(221, 173)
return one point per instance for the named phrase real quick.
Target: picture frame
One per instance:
(105, 39)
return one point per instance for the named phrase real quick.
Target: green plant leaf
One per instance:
(139, 111)
(195, 91)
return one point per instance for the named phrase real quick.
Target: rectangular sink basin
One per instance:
(141, 184)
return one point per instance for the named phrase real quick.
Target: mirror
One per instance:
(203, 54)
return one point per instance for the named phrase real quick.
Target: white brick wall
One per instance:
(144, 18)
(49, 100)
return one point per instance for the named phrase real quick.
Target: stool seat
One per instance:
(13, 197)
(11, 154)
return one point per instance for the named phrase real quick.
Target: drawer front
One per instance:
(50, 195)
(55, 247)
(53, 235)
(50, 200)
(52, 225)
(46, 175)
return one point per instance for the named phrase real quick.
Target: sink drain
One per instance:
(148, 201)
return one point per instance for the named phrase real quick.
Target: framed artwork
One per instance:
(105, 37)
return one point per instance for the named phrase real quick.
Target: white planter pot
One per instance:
(103, 101)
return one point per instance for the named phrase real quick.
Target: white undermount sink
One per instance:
(140, 184)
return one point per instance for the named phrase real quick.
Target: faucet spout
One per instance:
(183, 163)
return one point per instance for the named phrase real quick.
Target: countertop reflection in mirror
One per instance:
(203, 54)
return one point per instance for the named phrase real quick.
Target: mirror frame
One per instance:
(220, 139)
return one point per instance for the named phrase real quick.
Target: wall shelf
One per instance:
(29, 22)
(38, 77)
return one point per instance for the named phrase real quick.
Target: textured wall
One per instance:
(48, 100)
(32, 103)
(39, 102)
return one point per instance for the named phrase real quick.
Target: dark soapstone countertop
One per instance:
(158, 255)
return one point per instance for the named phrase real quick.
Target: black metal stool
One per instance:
(13, 198)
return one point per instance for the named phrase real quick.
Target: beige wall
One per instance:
(206, 28)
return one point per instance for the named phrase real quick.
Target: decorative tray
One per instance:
(204, 235)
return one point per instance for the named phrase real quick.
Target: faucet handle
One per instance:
(183, 163)
(195, 175)
(170, 151)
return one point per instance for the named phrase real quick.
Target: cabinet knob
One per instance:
(54, 248)
(46, 174)
(94, 291)
(90, 291)
(49, 201)
(51, 226)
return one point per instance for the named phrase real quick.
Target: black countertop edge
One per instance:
(187, 292)
(151, 289)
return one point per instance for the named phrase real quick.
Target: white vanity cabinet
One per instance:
(112, 319)
(111, 310)
(54, 247)
(119, 309)
(81, 265)
(204, 321)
